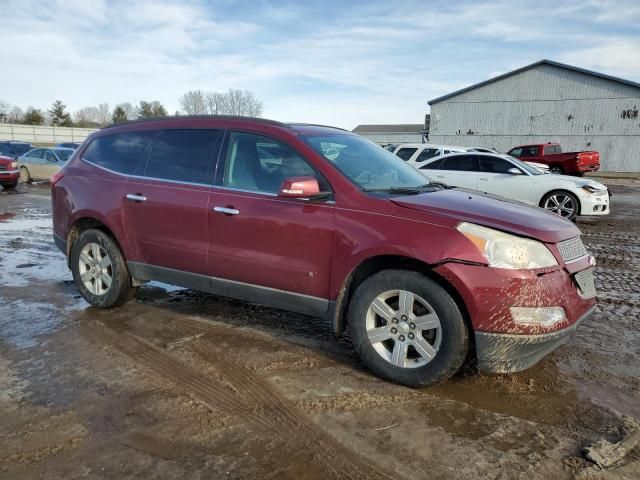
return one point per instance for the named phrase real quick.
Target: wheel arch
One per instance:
(86, 223)
(375, 264)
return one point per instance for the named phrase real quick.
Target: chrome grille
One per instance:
(586, 283)
(572, 249)
(3, 167)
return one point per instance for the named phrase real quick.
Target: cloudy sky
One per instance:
(338, 62)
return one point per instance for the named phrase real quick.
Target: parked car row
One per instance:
(490, 172)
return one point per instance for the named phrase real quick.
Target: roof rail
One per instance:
(300, 124)
(195, 117)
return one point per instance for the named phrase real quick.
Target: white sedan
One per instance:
(508, 177)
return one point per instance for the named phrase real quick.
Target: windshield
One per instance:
(366, 164)
(64, 154)
(527, 168)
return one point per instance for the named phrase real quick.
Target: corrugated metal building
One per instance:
(545, 102)
(391, 134)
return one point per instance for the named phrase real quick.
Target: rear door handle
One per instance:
(226, 210)
(484, 179)
(439, 176)
(136, 197)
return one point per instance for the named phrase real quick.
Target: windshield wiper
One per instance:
(401, 189)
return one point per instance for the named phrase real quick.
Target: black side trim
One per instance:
(270, 297)
(60, 243)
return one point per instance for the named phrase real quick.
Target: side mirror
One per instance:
(304, 188)
(514, 171)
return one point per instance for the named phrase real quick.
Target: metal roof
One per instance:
(398, 128)
(533, 65)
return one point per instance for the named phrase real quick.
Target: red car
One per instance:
(318, 220)
(569, 163)
(9, 173)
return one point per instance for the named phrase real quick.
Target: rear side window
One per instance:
(460, 163)
(183, 156)
(426, 154)
(121, 152)
(530, 152)
(406, 153)
(494, 165)
(435, 165)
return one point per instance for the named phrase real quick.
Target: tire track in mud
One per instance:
(247, 397)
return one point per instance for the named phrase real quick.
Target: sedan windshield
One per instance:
(367, 165)
(527, 168)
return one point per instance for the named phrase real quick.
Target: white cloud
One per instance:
(343, 65)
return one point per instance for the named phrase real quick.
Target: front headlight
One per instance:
(507, 251)
(14, 165)
(593, 189)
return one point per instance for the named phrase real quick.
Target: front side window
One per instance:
(406, 153)
(121, 152)
(530, 152)
(260, 164)
(364, 163)
(426, 154)
(35, 153)
(183, 156)
(460, 163)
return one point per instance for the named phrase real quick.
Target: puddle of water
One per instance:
(26, 224)
(22, 322)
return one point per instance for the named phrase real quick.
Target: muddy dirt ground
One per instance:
(179, 384)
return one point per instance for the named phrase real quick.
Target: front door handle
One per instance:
(484, 179)
(136, 197)
(439, 176)
(226, 210)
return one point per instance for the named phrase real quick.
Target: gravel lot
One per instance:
(180, 384)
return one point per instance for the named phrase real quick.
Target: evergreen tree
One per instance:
(59, 116)
(33, 117)
(119, 115)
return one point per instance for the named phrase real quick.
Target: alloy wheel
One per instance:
(561, 204)
(403, 328)
(96, 269)
(24, 175)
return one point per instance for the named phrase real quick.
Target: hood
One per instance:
(577, 181)
(5, 159)
(491, 211)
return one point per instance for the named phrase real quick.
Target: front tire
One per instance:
(561, 203)
(11, 186)
(407, 328)
(100, 270)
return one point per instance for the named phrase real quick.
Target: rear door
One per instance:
(459, 171)
(51, 164)
(258, 239)
(495, 178)
(165, 205)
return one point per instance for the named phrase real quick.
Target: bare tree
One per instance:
(5, 108)
(216, 103)
(234, 102)
(16, 115)
(87, 117)
(104, 114)
(129, 110)
(243, 103)
(193, 102)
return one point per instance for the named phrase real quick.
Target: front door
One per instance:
(495, 178)
(258, 239)
(165, 207)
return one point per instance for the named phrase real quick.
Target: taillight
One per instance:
(56, 177)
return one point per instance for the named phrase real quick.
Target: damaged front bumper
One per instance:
(506, 352)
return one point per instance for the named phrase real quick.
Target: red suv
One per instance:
(318, 220)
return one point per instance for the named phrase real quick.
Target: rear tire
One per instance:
(419, 338)
(556, 170)
(25, 176)
(100, 270)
